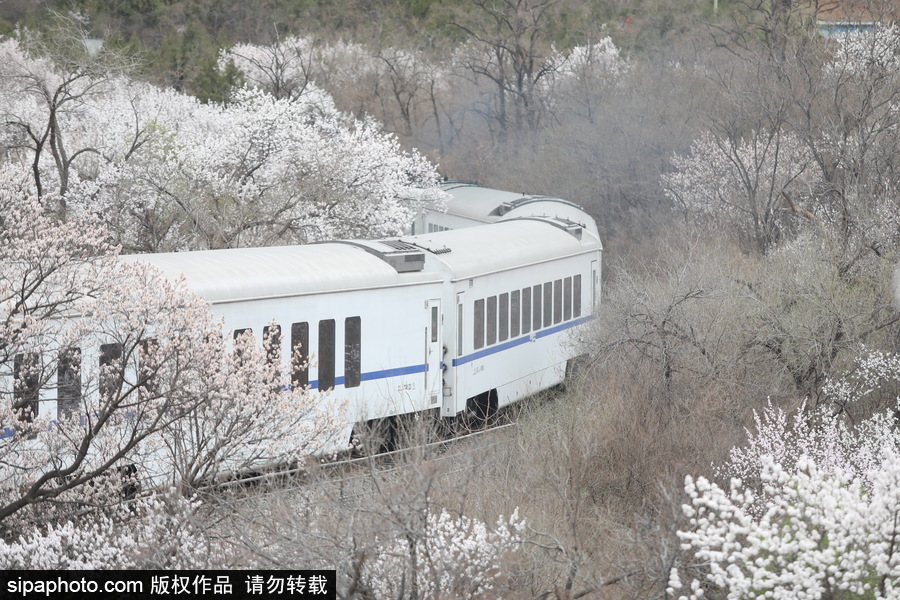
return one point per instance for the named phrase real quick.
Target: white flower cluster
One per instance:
(812, 508)
(166, 172)
(597, 58)
(874, 372)
(875, 49)
(828, 442)
(453, 557)
(730, 179)
(151, 533)
(823, 531)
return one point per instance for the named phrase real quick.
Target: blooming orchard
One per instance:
(166, 172)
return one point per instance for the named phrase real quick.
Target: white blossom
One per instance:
(166, 172)
(813, 504)
(459, 557)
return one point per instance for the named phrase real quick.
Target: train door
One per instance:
(433, 353)
(595, 286)
(451, 392)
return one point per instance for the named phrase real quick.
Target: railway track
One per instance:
(347, 468)
(352, 467)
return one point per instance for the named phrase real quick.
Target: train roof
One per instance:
(475, 202)
(474, 251)
(485, 205)
(242, 274)
(233, 275)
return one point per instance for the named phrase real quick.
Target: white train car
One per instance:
(453, 323)
(470, 205)
(365, 316)
(459, 322)
(516, 290)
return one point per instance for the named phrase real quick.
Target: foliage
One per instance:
(420, 560)
(812, 506)
(167, 172)
(186, 62)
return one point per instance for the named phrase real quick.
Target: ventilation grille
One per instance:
(403, 257)
(398, 245)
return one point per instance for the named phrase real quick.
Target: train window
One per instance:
(491, 320)
(548, 304)
(326, 354)
(300, 354)
(111, 370)
(567, 298)
(526, 310)
(272, 346)
(237, 336)
(68, 382)
(503, 315)
(514, 316)
(557, 301)
(434, 323)
(148, 385)
(537, 312)
(576, 296)
(27, 385)
(352, 349)
(478, 324)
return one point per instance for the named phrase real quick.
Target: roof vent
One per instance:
(403, 257)
(398, 245)
(571, 227)
(427, 244)
(574, 228)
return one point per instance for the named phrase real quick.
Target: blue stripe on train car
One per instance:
(519, 341)
(373, 375)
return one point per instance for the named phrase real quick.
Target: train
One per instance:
(474, 310)
(480, 305)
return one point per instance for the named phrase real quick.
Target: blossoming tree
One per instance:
(113, 378)
(166, 172)
(812, 507)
